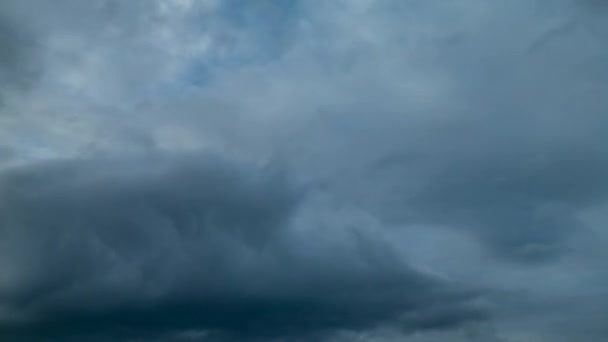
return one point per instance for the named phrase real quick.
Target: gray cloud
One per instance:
(145, 246)
(428, 149)
(524, 205)
(18, 65)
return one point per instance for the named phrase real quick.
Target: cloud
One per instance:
(148, 246)
(18, 63)
(523, 206)
(441, 169)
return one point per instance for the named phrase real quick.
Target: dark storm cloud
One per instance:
(153, 245)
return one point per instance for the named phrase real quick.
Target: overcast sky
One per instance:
(304, 170)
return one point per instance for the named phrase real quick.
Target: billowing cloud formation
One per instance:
(442, 170)
(149, 246)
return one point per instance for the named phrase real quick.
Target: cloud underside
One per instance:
(115, 248)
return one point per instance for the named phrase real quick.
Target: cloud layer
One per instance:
(329, 170)
(160, 244)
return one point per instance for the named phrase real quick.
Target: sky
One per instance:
(304, 170)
